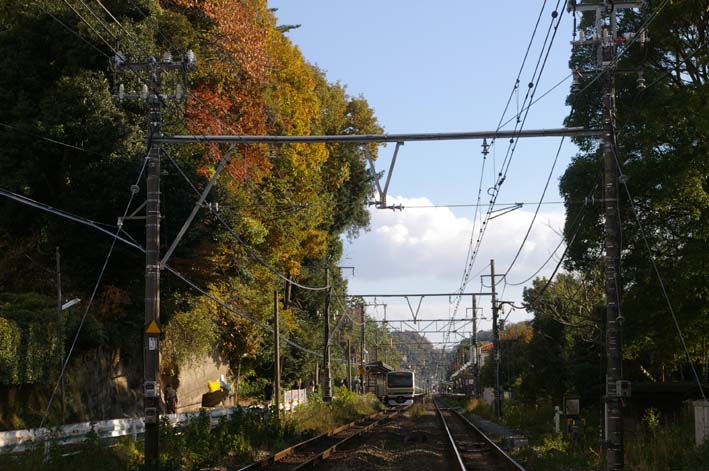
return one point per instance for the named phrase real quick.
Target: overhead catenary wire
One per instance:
(100, 21)
(536, 212)
(599, 74)
(252, 253)
(515, 87)
(234, 311)
(93, 292)
(89, 43)
(651, 256)
(536, 77)
(613, 64)
(58, 212)
(83, 20)
(48, 139)
(579, 219)
(561, 260)
(134, 245)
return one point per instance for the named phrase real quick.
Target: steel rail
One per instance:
(499, 451)
(323, 454)
(451, 442)
(509, 462)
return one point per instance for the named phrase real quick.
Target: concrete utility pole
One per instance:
(349, 365)
(276, 355)
(475, 352)
(151, 355)
(362, 348)
(153, 96)
(376, 343)
(60, 320)
(606, 41)
(614, 345)
(327, 379)
(495, 342)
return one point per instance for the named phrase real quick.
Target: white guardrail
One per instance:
(20, 440)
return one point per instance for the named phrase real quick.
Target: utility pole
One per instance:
(349, 365)
(495, 342)
(614, 345)
(361, 357)
(153, 96)
(60, 320)
(476, 365)
(606, 41)
(276, 355)
(151, 355)
(376, 343)
(327, 380)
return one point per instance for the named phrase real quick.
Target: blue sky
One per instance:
(435, 68)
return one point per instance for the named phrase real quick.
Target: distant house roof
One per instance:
(486, 347)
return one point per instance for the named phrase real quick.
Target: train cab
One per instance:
(400, 388)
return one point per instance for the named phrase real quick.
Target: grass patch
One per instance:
(417, 410)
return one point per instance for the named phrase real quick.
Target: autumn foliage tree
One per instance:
(286, 207)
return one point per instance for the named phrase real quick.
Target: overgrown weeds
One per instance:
(417, 410)
(234, 440)
(653, 446)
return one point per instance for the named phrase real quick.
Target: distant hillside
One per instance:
(417, 353)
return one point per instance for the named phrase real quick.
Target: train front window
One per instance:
(400, 381)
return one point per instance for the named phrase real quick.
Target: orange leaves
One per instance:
(232, 78)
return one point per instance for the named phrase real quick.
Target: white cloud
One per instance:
(432, 243)
(424, 251)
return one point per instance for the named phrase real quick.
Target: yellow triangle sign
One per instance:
(152, 328)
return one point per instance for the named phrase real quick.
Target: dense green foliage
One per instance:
(69, 143)
(29, 338)
(662, 149)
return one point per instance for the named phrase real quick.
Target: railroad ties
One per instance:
(425, 435)
(471, 449)
(309, 452)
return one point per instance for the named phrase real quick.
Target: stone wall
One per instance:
(192, 381)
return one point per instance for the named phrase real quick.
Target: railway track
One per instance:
(306, 454)
(472, 450)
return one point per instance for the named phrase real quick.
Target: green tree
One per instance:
(662, 149)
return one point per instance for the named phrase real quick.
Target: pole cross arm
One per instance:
(382, 138)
